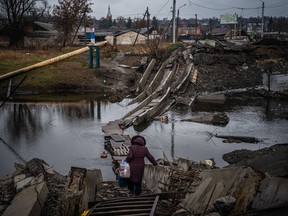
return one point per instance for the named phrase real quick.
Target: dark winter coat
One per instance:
(137, 152)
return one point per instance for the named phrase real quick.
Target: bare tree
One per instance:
(68, 15)
(16, 13)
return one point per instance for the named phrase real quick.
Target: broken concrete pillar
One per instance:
(29, 201)
(145, 76)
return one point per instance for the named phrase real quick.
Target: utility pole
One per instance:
(210, 26)
(177, 24)
(148, 23)
(196, 32)
(146, 12)
(174, 21)
(262, 30)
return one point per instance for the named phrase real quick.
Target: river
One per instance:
(66, 134)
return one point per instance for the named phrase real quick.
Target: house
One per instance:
(236, 35)
(152, 32)
(218, 33)
(126, 38)
(40, 35)
(189, 32)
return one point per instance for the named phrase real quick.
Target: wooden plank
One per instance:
(127, 143)
(154, 207)
(117, 137)
(93, 180)
(115, 144)
(118, 158)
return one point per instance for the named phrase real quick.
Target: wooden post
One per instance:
(90, 56)
(97, 56)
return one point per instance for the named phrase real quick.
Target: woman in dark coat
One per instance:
(137, 152)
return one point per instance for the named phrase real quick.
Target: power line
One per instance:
(222, 9)
(278, 4)
(162, 8)
(253, 12)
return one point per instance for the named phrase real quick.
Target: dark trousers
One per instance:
(135, 188)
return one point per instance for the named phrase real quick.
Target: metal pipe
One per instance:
(47, 62)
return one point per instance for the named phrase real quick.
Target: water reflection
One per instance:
(22, 121)
(63, 134)
(70, 134)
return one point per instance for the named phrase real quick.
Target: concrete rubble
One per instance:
(193, 187)
(34, 189)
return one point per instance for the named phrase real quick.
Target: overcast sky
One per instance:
(203, 8)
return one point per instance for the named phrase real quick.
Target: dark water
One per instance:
(70, 134)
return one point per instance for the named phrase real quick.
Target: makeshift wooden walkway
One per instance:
(115, 142)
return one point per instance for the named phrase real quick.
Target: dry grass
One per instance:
(16, 59)
(72, 72)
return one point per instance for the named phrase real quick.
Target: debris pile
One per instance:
(48, 192)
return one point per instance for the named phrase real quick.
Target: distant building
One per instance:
(40, 34)
(109, 14)
(217, 33)
(236, 35)
(126, 38)
(153, 33)
(189, 32)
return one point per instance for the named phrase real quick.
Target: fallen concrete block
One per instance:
(29, 201)
(19, 178)
(219, 99)
(21, 184)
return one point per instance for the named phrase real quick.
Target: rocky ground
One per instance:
(238, 157)
(66, 192)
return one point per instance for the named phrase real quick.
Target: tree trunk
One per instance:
(16, 36)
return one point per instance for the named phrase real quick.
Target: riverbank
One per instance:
(69, 76)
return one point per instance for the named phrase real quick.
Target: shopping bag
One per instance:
(123, 182)
(124, 170)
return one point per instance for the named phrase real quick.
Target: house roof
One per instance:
(126, 31)
(145, 30)
(219, 31)
(45, 26)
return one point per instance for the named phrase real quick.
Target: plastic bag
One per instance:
(123, 182)
(124, 170)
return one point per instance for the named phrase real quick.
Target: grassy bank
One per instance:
(71, 74)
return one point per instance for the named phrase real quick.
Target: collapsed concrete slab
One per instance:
(275, 163)
(273, 192)
(239, 182)
(29, 201)
(220, 119)
(224, 191)
(213, 98)
(275, 82)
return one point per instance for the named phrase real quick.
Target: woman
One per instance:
(137, 152)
